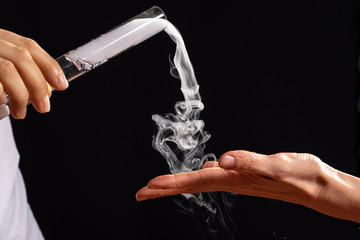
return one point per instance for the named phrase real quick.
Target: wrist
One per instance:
(337, 194)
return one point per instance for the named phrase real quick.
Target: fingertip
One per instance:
(228, 159)
(138, 195)
(46, 104)
(57, 80)
(239, 160)
(228, 162)
(19, 114)
(62, 82)
(43, 105)
(164, 181)
(144, 194)
(236, 154)
(210, 164)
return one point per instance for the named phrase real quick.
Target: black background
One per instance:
(275, 76)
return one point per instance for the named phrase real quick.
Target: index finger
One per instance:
(204, 180)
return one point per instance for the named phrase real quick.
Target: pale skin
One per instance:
(297, 178)
(28, 74)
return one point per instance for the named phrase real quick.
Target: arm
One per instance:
(298, 178)
(27, 74)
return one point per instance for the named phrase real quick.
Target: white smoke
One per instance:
(181, 138)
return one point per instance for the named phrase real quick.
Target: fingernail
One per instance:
(46, 104)
(227, 162)
(138, 198)
(20, 114)
(62, 81)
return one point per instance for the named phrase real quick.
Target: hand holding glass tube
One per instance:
(29, 74)
(26, 74)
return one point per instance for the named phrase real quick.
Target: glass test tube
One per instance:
(99, 50)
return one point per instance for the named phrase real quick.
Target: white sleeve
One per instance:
(16, 218)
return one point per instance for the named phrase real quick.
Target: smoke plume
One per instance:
(181, 138)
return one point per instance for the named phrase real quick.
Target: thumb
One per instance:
(243, 161)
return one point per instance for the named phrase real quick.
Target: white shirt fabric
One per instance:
(17, 221)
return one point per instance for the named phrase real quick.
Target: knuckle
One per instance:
(254, 164)
(311, 160)
(280, 163)
(54, 66)
(280, 155)
(309, 157)
(250, 163)
(177, 181)
(6, 67)
(29, 43)
(284, 157)
(23, 53)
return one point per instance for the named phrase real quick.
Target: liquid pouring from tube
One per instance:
(108, 45)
